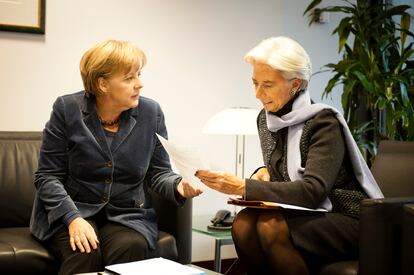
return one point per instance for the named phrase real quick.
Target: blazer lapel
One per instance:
(91, 120)
(128, 121)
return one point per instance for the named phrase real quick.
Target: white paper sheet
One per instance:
(187, 160)
(295, 207)
(155, 266)
(269, 204)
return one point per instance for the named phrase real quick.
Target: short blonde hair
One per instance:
(106, 59)
(285, 55)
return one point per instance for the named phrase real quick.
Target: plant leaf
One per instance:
(405, 24)
(313, 4)
(364, 81)
(396, 10)
(343, 38)
(405, 56)
(331, 83)
(381, 103)
(404, 94)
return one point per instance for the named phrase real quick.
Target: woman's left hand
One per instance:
(187, 191)
(222, 181)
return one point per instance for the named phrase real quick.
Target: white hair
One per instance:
(285, 55)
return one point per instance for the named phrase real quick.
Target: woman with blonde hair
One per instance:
(311, 160)
(98, 153)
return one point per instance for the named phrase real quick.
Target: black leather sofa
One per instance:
(20, 253)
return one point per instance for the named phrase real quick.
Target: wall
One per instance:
(195, 67)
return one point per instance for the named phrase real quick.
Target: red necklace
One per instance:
(110, 123)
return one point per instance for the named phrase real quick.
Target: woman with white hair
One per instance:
(311, 160)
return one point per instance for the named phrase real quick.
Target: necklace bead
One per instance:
(110, 123)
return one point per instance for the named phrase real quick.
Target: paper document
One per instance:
(155, 266)
(270, 205)
(187, 160)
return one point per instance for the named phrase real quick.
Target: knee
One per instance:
(138, 243)
(244, 225)
(94, 258)
(94, 255)
(135, 247)
(272, 229)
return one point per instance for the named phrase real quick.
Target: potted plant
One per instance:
(376, 69)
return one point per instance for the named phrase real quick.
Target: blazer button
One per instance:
(108, 181)
(105, 198)
(109, 164)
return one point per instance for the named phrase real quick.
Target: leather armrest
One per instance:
(407, 265)
(177, 221)
(380, 235)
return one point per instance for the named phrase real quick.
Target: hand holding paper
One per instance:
(224, 182)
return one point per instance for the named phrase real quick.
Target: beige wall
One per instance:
(195, 67)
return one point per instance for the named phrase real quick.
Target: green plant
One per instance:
(376, 70)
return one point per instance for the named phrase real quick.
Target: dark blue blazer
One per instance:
(79, 174)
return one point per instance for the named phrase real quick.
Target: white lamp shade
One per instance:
(233, 121)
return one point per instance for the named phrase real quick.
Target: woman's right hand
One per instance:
(261, 174)
(82, 235)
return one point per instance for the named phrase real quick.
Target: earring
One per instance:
(292, 93)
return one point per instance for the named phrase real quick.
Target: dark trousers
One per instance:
(118, 244)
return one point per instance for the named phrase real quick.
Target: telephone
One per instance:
(222, 220)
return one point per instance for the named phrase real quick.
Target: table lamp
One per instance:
(238, 121)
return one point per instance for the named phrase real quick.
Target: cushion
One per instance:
(20, 252)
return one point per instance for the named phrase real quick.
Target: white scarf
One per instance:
(302, 110)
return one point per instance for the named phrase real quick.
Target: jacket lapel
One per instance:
(91, 120)
(128, 121)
